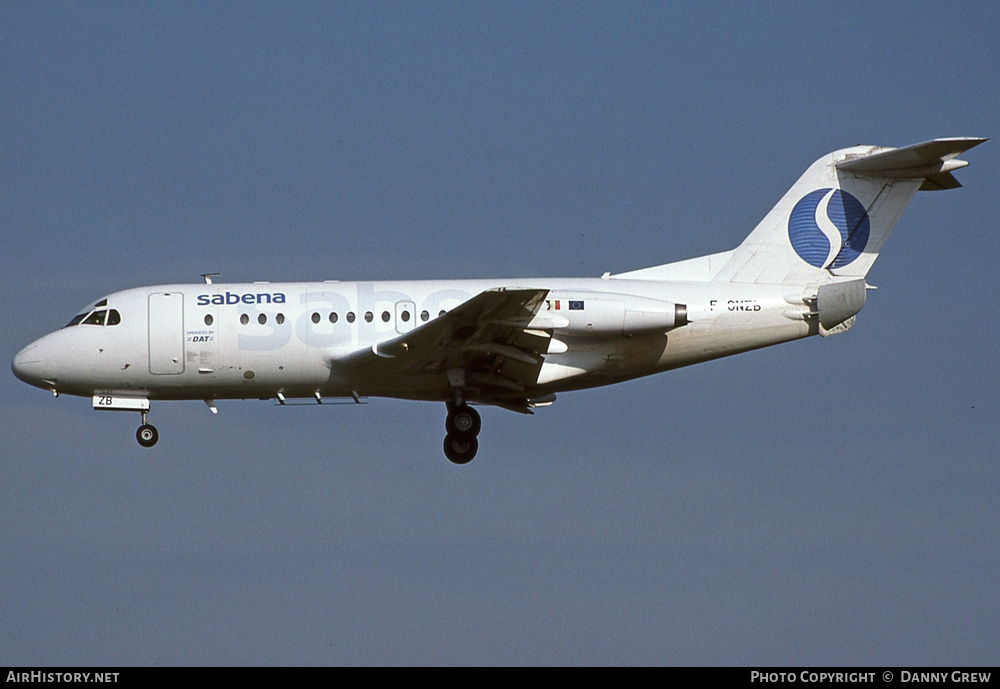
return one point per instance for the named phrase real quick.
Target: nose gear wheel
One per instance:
(147, 435)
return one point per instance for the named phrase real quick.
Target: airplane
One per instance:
(513, 344)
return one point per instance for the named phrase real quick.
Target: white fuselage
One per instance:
(264, 340)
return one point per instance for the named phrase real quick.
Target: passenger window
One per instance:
(315, 317)
(405, 316)
(262, 319)
(280, 318)
(386, 317)
(424, 316)
(440, 313)
(333, 317)
(96, 318)
(350, 316)
(208, 319)
(369, 316)
(244, 319)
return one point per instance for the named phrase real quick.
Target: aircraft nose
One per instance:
(28, 364)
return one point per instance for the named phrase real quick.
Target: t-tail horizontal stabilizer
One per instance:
(932, 161)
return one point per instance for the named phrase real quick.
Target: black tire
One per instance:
(463, 421)
(460, 449)
(147, 435)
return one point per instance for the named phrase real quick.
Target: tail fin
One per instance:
(834, 221)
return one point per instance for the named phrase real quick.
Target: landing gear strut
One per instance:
(147, 435)
(463, 425)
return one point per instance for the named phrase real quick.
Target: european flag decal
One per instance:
(576, 306)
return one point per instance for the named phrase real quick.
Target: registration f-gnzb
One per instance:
(508, 343)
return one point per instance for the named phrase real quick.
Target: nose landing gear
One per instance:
(147, 435)
(462, 425)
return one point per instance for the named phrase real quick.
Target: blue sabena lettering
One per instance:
(231, 298)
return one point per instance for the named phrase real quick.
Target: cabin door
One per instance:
(166, 332)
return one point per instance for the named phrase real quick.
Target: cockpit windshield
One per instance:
(98, 317)
(76, 320)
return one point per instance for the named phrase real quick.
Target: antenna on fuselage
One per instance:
(208, 277)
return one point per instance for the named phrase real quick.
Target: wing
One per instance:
(490, 346)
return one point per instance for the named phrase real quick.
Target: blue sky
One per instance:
(829, 501)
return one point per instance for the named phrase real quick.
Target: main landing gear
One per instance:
(463, 425)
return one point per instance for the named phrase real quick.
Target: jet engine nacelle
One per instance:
(612, 314)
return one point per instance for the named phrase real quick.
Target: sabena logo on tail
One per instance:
(829, 228)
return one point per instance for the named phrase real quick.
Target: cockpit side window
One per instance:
(114, 318)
